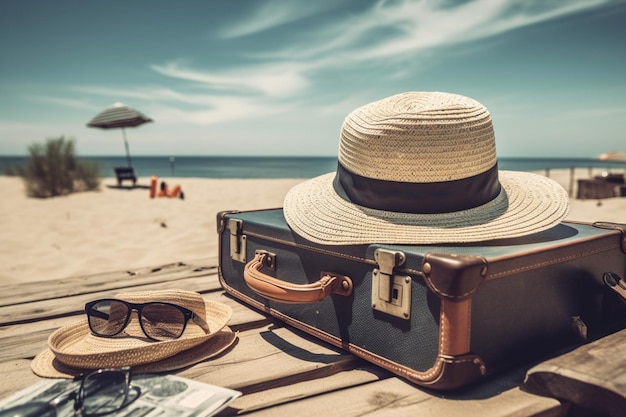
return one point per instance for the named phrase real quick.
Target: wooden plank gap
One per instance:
(252, 325)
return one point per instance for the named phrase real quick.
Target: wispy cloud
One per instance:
(147, 93)
(220, 110)
(280, 75)
(138, 93)
(199, 109)
(275, 13)
(61, 101)
(387, 32)
(401, 29)
(271, 80)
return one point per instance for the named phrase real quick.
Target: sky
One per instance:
(278, 77)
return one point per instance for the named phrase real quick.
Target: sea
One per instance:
(279, 166)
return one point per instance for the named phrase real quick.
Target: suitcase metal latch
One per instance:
(237, 240)
(391, 293)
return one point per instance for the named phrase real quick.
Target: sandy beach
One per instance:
(118, 229)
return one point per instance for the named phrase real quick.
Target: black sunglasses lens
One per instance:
(162, 321)
(107, 317)
(104, 392)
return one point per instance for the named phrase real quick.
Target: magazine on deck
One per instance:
(160, 395)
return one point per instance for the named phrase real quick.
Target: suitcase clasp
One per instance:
(237, 240)
(391, 293)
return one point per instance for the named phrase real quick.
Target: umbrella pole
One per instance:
(130, 165)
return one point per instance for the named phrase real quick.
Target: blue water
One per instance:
(279, 167)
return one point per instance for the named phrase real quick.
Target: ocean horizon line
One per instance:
(280, 166)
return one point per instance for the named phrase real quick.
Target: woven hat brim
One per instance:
(528, 203)
(75, 346)
(46, 364)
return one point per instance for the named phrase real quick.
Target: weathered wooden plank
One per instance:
(271, 356)
(25, 347)
(74, 304)
(25, 340)
(110, 281)
(16, 375)
(300, 390)
(242, 316)
(395, 397)
(592, 377)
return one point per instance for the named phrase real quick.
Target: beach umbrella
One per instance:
(119, 116)
(619, 156)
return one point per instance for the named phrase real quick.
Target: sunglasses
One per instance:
(101, 392)
(158, 320)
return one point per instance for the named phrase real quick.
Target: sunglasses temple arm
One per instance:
(200, 322)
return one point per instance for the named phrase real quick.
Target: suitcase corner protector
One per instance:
(455, 277)
(455, 372)
(221, 224)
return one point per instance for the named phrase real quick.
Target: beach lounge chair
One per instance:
(125, 173)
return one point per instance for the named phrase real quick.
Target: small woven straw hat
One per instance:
(421, 168)
(73, 349)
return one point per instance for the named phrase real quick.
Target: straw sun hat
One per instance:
(421, 168)
(73, 350)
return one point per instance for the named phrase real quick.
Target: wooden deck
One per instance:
(281, 371)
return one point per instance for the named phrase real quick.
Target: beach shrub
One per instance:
(53, 170)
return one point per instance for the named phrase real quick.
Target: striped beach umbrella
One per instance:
(119, 116)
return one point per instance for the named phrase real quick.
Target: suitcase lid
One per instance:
(503, 257)
(271, 222)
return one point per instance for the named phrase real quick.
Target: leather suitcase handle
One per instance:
(286, 292)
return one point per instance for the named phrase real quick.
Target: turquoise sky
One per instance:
(278, 77)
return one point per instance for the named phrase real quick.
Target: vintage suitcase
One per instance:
(441, 316)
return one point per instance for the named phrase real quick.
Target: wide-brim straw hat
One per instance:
(421, 168)
(73, 349)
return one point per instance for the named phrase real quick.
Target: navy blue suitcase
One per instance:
(441, 316)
